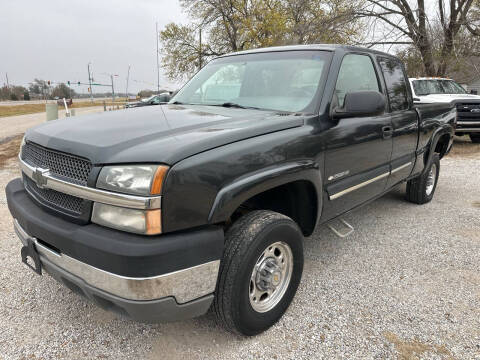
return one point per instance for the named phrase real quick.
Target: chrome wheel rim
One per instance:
(270, 277)
(431, 179)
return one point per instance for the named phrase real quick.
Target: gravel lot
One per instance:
(405, 285)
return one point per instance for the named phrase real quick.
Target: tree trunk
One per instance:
(425, 48)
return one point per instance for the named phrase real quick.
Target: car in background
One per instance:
(427, 90)
(159, 99)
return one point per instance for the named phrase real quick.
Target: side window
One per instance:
(356, 74)
(396, 83)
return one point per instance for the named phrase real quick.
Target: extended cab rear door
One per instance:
(404, 119)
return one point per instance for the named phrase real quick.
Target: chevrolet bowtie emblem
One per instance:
(39, 176)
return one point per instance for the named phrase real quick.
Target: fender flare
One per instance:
(232, 195)
(444, 130)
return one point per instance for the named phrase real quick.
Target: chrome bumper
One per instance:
(469, 129)
(184, 285)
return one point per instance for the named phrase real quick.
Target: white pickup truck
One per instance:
(441, 90)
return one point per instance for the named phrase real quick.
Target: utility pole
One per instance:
(113, 91)
(90, 82)
(126, 90)
(8, 84)
(158, 64)
(200, 52)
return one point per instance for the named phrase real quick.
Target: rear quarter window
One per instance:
(396, 83)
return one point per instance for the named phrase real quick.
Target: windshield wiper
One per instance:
(229, 104)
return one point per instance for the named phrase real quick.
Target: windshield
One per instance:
(426, 87)
(281, 81)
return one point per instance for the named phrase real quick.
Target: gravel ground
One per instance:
(405, 285)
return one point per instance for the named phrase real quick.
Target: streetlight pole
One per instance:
(126, 90)
(113, 91)
(90, 82)
(158, 64)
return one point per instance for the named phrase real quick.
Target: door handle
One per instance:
(387, 132)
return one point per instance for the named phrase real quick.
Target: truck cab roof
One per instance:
(321, 47)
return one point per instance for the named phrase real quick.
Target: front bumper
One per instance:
(152, 283)
(467, 126)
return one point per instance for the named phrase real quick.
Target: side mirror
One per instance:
(361, 103)
(473, 92)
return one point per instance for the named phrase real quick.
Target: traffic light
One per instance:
(48, 82)
(78, 83)
(68, 82)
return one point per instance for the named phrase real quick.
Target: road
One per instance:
(15, 125)
(21, 102)
(405, 285)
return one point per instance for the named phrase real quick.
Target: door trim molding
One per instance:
(369, 181)
(358, 186)
(401, 167)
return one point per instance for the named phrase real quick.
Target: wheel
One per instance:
(420, 190)
(260, 271)
(475, 138)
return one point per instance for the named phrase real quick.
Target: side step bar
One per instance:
(347, 229)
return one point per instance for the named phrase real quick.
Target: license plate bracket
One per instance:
(30, 251)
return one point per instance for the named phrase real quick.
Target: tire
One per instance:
(251, 237)
(421, 189)
(475, 138)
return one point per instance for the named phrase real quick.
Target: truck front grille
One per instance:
(68, 167)
(468, 111)
(58, 201)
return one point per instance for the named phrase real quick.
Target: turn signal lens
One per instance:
(153, 222)
(158, 179)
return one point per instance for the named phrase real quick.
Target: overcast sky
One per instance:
(56, 39)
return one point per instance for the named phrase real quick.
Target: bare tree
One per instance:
(432, 31)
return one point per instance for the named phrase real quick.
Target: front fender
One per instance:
(231, 196)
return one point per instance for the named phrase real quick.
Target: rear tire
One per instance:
(420, 190)
(475, 138)
(260, 271)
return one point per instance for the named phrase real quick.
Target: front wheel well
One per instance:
(298, 200)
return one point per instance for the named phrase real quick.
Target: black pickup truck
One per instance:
(204, 202)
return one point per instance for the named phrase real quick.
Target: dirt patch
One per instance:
(464, 148)
(9, 148)
(414, 349)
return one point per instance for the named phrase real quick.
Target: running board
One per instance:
(349, 229)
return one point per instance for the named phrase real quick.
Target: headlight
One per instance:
(133, 179)
(146, 222)
(144, 180)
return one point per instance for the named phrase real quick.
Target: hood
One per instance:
(159, 134)
(434, 98)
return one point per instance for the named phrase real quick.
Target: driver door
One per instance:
(358, 149)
